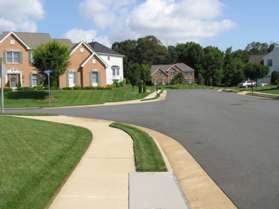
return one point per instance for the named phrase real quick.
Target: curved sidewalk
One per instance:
(101, 177)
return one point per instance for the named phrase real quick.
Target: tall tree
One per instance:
(258, 48)
(191, 54)
(255, 71)
(53, 55)
(233, 69)
(212, 63)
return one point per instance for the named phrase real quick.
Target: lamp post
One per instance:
(2, 73)
(48, 72)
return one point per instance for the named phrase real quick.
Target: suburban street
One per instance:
(234, 138)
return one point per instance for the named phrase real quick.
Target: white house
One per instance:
(272, 61)
(114, 60)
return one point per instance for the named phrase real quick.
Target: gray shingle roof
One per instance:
(164, 68)
(34, 40)
(67, 42)
(100, 48)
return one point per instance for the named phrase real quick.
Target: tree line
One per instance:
(212, 66)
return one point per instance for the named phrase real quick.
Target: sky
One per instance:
(222, 23)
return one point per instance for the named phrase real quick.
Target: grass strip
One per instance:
(148, 157)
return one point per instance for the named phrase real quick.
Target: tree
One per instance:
(191, 54)
(145, 74)
(133, 74)
(178, 79)
(212, 64)
(255, 71)
(233, 69)
(53, 55)
(274, 77)
(151, 51)
(257, 48)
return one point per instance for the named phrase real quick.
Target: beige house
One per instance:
(86, 67)
(163, 74)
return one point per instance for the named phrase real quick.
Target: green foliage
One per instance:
(255, 71)
(53, 55)
(233, 69)
(148, 157)
(257, 48)
(275, 78)
(178, 79)
(213, 64)
(191, 54)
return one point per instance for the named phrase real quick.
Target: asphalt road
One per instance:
(234, 138)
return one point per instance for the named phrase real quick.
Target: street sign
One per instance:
(48, 72)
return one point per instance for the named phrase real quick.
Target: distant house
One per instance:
(272, 61)
(90, 64)
(163, 74)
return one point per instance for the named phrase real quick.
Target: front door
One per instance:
(94, 79)
(71, 77)
(14, 80)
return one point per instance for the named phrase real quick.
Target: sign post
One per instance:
(2, 74)
(48, 72)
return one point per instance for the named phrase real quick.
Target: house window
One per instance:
(34, 80)
(269, 63)
(115, 70)
(13, 57)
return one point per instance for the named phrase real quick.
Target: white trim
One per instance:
(19, 39)
(112, 55)
(80, 43)
(90, 57)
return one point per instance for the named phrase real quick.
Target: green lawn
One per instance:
(271, 90)
(148, 158)
(36, 98)
(36, 157)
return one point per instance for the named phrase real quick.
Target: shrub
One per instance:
(178, 79)
(274, 77)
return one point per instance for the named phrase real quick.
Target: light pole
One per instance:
(48, 72)
(2, 84)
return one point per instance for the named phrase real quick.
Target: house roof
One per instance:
(100, 48)
(67, 42)
(256, 59)
(164, 68)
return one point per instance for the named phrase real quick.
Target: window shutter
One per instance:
(20, 57)
(4, 57)
(90, 78)
(67, 79)
(75, 78)
(30, 80)
(30, 57)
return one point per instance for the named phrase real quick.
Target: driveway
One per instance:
(234, 138)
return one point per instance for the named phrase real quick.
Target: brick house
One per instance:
(86, 67)
(163, 74)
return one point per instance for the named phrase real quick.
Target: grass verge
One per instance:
(148, 157)
(36, 157)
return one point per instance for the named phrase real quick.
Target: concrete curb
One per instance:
(200, 190)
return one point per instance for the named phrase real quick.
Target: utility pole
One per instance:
(2, 84)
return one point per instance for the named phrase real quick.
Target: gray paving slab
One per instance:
(155, 191)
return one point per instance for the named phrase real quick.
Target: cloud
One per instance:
(20, 15)
(171, 21)
(77, 35)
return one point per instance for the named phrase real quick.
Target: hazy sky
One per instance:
(223, 23)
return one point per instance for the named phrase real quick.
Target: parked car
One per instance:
(247, 84)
